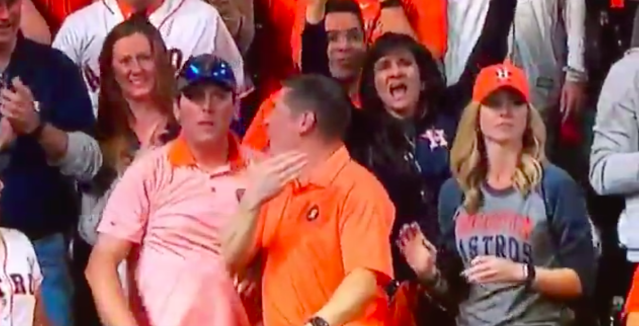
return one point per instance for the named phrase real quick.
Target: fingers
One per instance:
(287, 166)
(291, 172)
(10, 111)
(8, 96)
(20, 87)
(484, 275)
(411, 233)
(284, 161)
(481, 260)
(478, 265)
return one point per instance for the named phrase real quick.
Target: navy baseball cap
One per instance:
(206, 69)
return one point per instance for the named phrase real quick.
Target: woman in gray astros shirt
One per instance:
(516, 239)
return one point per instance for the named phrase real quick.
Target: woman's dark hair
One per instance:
(113, 128)
(431, 78)
(374, 121)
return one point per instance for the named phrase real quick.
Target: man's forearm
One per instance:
(239, 242)
(315, 12)
(574, 14)
(557, 283)
(351, 297)
(437, 285)
(77, 154)
(33, 25)
(54, 142)
(394, 20)
(109, 296)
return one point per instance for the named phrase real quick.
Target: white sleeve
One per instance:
(226, 48)
(614, 157)
(223, 46)
(69, 40)
(27, 249)
(574, 15)
(83, 158)
(36, 272)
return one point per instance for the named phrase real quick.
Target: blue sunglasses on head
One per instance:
(207, 68)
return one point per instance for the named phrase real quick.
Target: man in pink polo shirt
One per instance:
(169, 207)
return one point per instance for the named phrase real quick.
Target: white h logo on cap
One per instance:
(503, 73)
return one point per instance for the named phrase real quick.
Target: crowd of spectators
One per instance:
(315, 162)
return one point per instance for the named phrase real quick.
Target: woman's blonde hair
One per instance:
(469, 164)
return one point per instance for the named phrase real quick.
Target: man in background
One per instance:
(239, 17)
(343, 53)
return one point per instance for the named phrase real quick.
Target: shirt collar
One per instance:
(180, 154)
(323, 175)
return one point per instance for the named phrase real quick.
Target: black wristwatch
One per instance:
(318, 321)
(531, 274)
(37, 132)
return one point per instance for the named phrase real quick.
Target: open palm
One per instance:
(419, 253)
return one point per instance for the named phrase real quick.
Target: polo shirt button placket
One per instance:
(211, 178)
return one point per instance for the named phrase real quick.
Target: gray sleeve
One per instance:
(83, 158)
(614, 159)
(574, 14)
(92, 206)
(572, 229)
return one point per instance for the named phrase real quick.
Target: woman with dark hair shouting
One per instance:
(402, 134)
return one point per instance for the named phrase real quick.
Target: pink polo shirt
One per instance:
(175, 212)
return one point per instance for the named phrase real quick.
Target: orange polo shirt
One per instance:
(632, 302)
(314, 233)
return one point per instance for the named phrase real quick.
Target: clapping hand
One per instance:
(420, 254)
(19, 107)
(491, 269)
(270, 176)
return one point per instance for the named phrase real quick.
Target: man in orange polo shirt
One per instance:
(324, 237)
